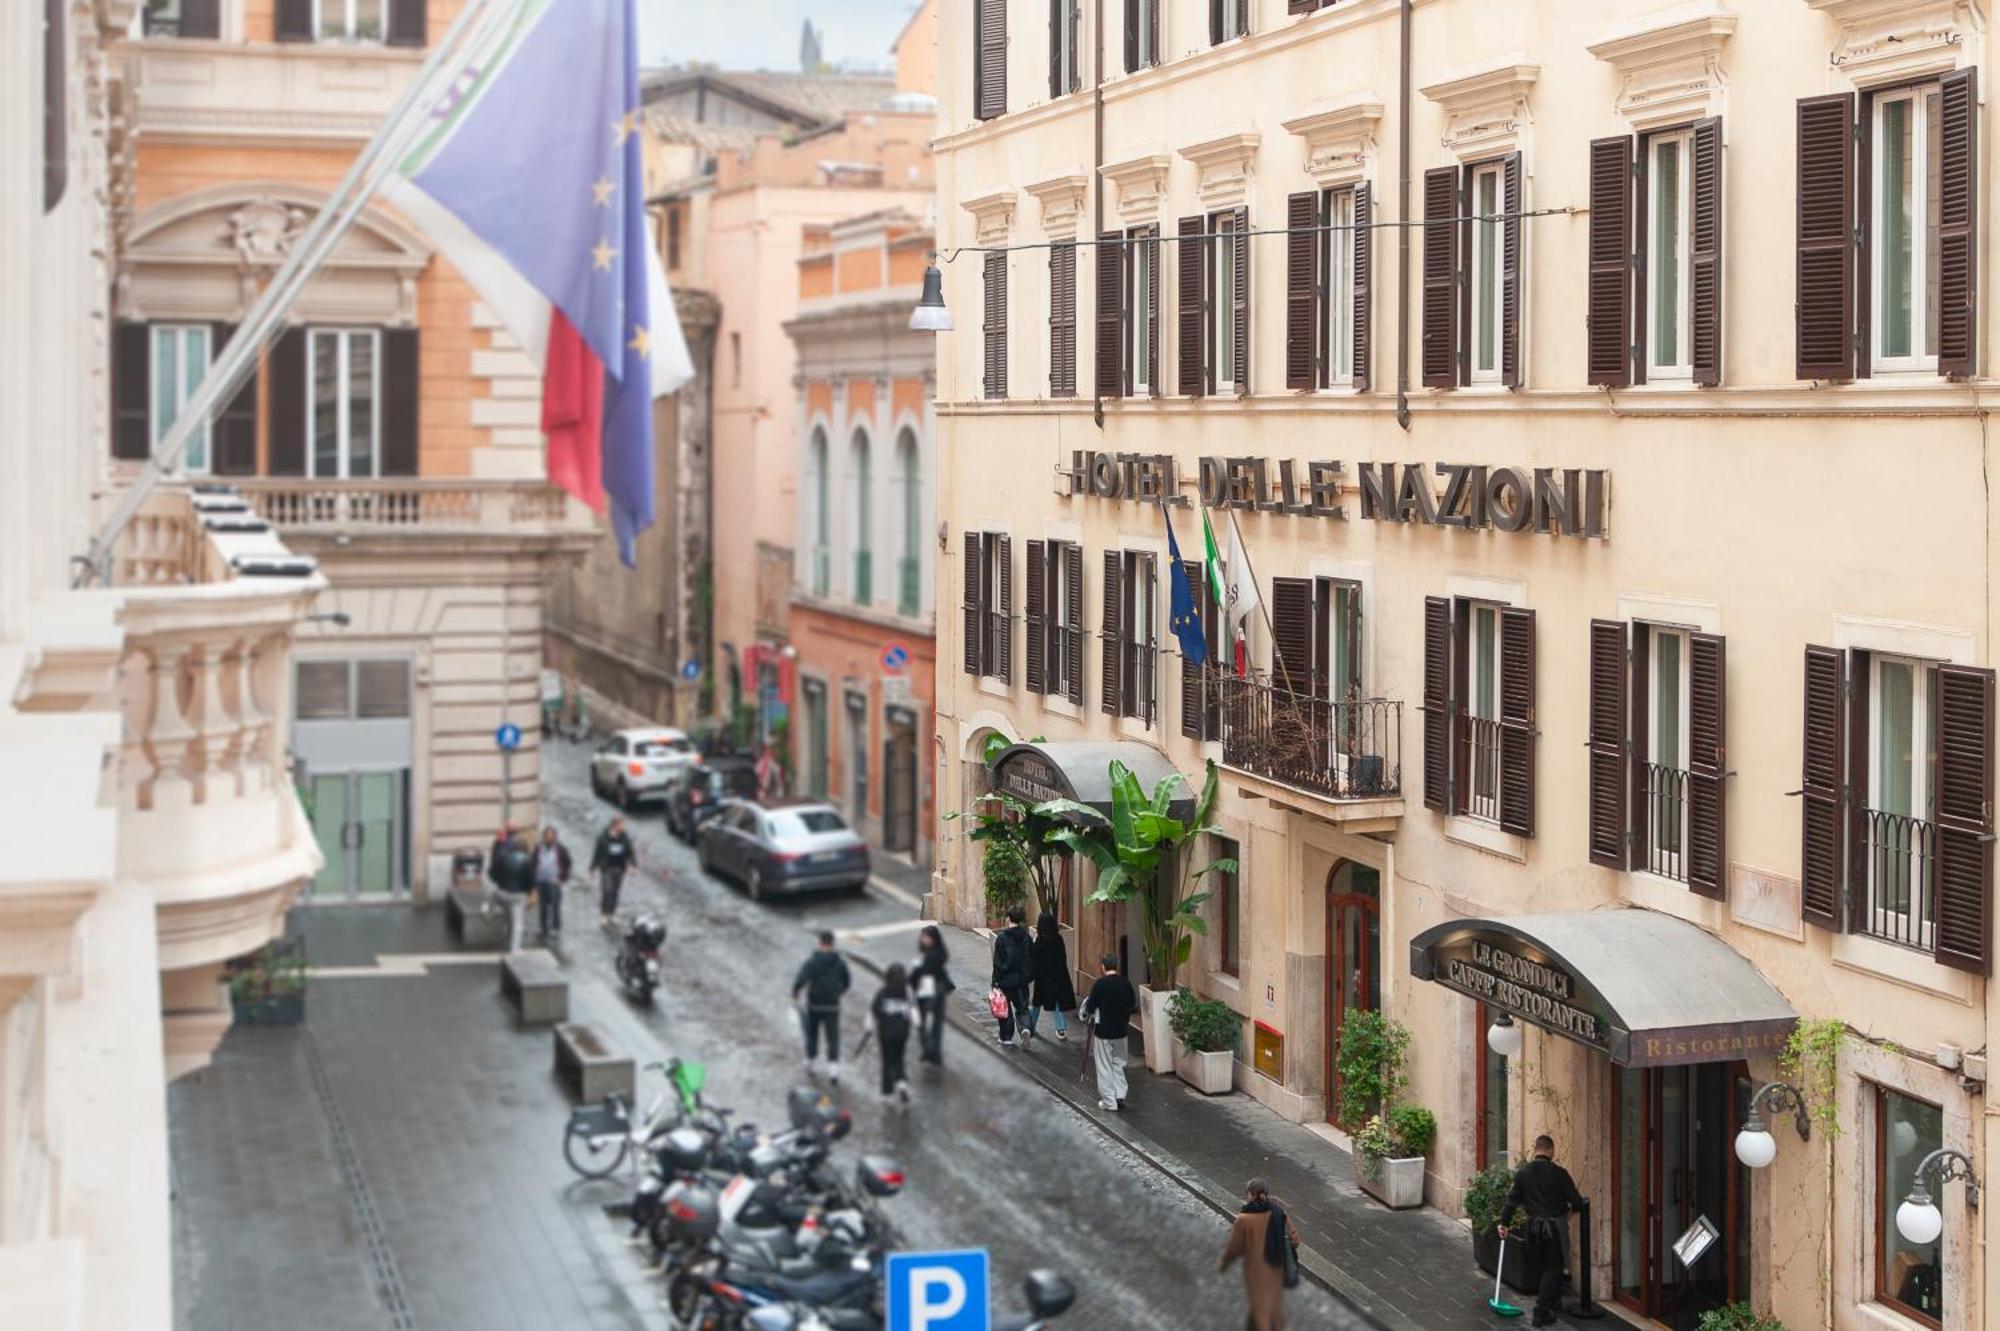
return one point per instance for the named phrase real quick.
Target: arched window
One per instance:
(910, 476)
(822, 513)
(864, 555)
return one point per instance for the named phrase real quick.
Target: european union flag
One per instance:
(1183, 616)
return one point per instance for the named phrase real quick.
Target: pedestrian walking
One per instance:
(1548, 1194)
(511, 867)
(1054, 991)
(822, 979)
(1013, 971)
(931, 983)
(1109, 1008)
(1264, 1239)
(613, 857)
(552, 870)
(890, 1017)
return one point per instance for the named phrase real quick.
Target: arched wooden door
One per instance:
(1353, 961)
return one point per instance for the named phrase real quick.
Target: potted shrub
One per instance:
(1737, 1317)
(1484, 1196)
(1206, 1030)
(1368, 1057)
(1006, 871)
(268, 987)
(1389, 1156)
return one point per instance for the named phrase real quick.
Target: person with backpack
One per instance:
(614, 856)
(1013, 970)
(1264, 1239)
(822, 979)
(931, 983)
(1054, 990)
(890, 1015)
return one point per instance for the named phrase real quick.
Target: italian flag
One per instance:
(1218, 587)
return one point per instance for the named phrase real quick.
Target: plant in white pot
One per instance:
(1206, 1030)
(1137, 851)
(1389, 1156)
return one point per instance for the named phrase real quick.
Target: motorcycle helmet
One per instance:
(879, 1176)
(683, 1151)
(806, 1104)
(1049, 1292)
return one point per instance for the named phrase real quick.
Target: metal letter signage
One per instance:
(1527, 988)
(1552, 501)
(1029, 776)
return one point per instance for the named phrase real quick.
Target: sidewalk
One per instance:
(1403, 1269)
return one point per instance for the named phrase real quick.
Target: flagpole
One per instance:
(1262, 605)
(330, 223)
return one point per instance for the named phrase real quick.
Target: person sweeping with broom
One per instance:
(1548, 1194)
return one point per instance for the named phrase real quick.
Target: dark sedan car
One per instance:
(783, 848)
(698, 791)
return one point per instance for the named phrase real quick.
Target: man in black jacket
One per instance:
(613, 855)
(1013, 970)
(1548, 1194)
(1109, 1008)
(823, 979)
(511, 866)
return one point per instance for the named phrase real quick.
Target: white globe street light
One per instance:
(1918, 1218)
(1503, 1037)
(1755, 1146)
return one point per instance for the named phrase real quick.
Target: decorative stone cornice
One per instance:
(1339, 139)
(1141, 183)
(1224, 167)
(1486, 110)
(38, 929)
(1889, 41)
(992, 216)
(1062, 198)
(1669, 63)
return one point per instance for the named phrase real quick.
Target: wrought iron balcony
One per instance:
(1349, 749)
(1901, 902)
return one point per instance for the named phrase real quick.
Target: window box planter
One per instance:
(1397, 1183)
(268, 987)
(276, 1010)
(1205, 1032)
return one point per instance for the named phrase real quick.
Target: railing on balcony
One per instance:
(1342, 749)
(910, 599)
(412, 504)
(864, 577)
(1901, 905)
(1482, 796)
(1665, 794)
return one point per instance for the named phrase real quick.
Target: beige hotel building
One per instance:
(1600, 390)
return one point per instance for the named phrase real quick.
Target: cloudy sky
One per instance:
(764, 34)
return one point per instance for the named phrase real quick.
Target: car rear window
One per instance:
(660, 748)
(788, 822)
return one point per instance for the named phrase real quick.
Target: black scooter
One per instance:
(639, 957)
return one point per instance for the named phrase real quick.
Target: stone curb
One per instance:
(1314, 1265)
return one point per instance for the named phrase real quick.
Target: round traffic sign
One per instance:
(508, 737)
(690, 670)
(895, 657)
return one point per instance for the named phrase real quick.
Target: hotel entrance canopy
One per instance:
(1081, 771)
(1644, 989)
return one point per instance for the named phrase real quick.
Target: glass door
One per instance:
(360, 821)
(1674, 1152)
(377, 825)
(329, 820)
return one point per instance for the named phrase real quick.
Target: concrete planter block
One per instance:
(1211, 1073)
(1397, 1184)
(1162, 1049)
(589, 1069)
(467, 919)
(534, 988)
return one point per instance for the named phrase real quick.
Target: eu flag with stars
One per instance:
(1183, 615)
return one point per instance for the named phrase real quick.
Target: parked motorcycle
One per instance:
(638, 961)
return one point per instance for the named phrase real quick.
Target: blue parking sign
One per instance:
(938, 1291)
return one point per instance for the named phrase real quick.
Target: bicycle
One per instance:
(601, 1137)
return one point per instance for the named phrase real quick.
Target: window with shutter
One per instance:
(1142, 34)
(236, 427)
(1441, 297)
(989, 68)
(1511, 196)
(55, 104)
(1361, 316)
(1964, 803)
(1302, 249)
(996, 326)
(1146, 312)
(1111, 672)
(1200, 698)
(1337, 294)
(1062, 320)
(1000, 661)
(1072, 633)
(1517, 720)
(975, 608)
(1191, 318)
(1232, 301)
(1957, 261)
(1825, 247)
(1609, 301)
(1660, 718)
(1141, 668)
(1608, 758)
(1437, 704)
(1111, 264)
(1705, 255)
(1708, 766)
(1065, 32)
(131, 392)
(1292, 637)
(285, 424)
(1034, 614)
(1823, 779)
(1059, 656)
(401, 425)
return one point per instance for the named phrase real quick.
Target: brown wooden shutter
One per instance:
(1292, 634)
(975, 608)
(1193, 708)
(1823, 760)
(1111, 673)
(1517, 720)
(1708, 766)
(1608, 757)
(55, 103)
(990, 59)
(1111, 261)
(1609, 308)
(1437, 703)
(1196, 363)
(1963, 854)
(1242, 17)
(1035, 614)
(1705, 255)
(1057, 85)
(131, 391)
(1299, 6)
(1148, 253)
(1001, 661)
(1638, 810)
(407, 23)
(996, 325)
(285, 426)
(1364, 286)
(235, 432)
(1131, 35)
(1440, 319)
(1240, 257)
(1062, 320)
(1073, 607)
(1302, 249)
(1511, 369)
(1958, 217)
(401, 422)
(201, 18)
(1215, 20)
(294, 20)
(1826, 218)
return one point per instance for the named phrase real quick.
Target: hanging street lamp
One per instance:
(1755, 1146)
(1918, 1218)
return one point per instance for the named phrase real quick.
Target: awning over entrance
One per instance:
(1081, 771)
(1646, 989)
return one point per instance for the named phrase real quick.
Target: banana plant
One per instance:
(1132, 846)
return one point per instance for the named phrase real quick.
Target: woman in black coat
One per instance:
(1054, 991)
(929, 982)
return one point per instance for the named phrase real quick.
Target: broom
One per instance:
(1496, 1303)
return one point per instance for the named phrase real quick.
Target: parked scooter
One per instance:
(638, 961)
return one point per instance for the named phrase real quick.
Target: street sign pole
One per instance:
(507, 739)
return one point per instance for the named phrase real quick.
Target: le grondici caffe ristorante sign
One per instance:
(1568, 501)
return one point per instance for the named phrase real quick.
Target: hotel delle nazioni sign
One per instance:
(1566, 501)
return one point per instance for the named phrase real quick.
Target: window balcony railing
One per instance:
(909, 601)
(302, 505)
(821, 572)
(1901, 904)
(1344, 750)
(1482, 795)
(1142, 682)
(864, 577)
(1665, 794)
